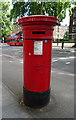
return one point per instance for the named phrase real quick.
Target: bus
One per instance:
(15, 38)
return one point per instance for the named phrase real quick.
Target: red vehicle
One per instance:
(14, 38)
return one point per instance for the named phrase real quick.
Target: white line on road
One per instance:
(67, 63)
(54, 60)
(10, 61)
(63, 58)
(72, 57)
(70, 75)
(52, 71)
(10, 56)
(60, 73)
(21, 61)
(73, 51)
(66, 58)
(67, 73)
(63, 73)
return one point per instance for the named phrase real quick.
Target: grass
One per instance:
(64, 42)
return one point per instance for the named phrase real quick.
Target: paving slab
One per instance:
(0, 82)
(11, 107)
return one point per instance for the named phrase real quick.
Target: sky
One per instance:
(67, 19)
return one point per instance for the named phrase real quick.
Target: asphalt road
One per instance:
(61, 104)
(61, 59)
(64, 60)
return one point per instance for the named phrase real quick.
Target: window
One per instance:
(74, 14)
(74, 22)
(73, 37)
(13, 36)
(73, 29)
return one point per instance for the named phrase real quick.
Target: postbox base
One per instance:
(36, 99)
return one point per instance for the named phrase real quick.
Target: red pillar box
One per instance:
(37, 50)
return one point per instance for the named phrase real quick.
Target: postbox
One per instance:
(37, 55)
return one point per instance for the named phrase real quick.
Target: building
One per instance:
(60, 31)
(17, 27)
(72, 26)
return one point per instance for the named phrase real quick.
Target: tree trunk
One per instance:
(42, 8)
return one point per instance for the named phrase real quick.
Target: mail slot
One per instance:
(38, 32)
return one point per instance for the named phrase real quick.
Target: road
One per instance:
(61, 59)
(64, 60)
(61, 104)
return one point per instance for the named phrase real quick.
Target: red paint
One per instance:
(15, 43)
(64, 71)
(37, 68)
(10, 56)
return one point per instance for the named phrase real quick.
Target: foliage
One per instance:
(56, 9)
(66, 36)
(5, 23)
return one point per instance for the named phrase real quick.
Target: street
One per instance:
(61, 103)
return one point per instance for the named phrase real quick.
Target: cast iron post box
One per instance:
(37, 53)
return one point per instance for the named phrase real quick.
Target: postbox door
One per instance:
(37, 58)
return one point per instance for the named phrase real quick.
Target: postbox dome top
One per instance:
(38, 18)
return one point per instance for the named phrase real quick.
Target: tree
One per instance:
(66, 36)
(74, 3)
(5, 23)
(56, 9)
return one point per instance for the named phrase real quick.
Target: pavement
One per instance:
(0, 83)
(61, 103)
(66, 45)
